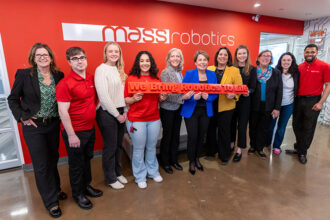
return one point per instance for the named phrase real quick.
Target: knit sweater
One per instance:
(109, 88)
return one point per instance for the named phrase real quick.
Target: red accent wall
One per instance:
(23, 23)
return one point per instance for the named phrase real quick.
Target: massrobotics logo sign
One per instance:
(124, 34)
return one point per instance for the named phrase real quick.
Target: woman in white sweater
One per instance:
(111, 112)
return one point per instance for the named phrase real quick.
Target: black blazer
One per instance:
(274, 92)
(296, 82)
(24, 99)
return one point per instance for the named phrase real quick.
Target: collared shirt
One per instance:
(312, 77)
(81, 94)
(48, 104)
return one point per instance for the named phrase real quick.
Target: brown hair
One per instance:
(53, 67)
(262, 52)
(73, 51)
(203, 53)
(247, 66)
(119, 63)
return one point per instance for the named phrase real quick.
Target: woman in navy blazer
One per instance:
(197, 109)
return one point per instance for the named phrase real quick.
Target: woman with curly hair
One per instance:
(143, 122)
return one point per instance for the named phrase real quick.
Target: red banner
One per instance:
(160, 87)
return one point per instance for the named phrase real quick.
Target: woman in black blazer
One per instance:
(265, 102)
(33, 103)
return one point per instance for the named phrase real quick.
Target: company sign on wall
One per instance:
(125, 34)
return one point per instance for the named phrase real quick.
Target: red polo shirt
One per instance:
(147, 108)
(81, 94)
(312, 77)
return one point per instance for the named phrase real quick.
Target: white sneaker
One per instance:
(158, 179)
(142, 185)
(116, 185)
(122, 179)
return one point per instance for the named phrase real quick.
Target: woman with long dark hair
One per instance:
(143, 122)
(287, 65)
(226, 73)
(33, 103)
(242, 111)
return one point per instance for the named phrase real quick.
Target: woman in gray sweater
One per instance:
(170, 112)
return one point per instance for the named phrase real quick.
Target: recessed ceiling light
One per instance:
(256, 5)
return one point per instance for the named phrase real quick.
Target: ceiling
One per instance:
(292, 9)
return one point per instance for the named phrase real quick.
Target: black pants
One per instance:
(240, 121)
(79, 160)
(211, 138)
(304, 122)
(196, 128)
(224, 122)
(112, 133)
(259, 125)
(171, 122)
(43, 143)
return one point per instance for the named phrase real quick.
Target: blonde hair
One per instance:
(119, 63)
(247, 67)
(180, 67)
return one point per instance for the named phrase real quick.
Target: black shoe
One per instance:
(251, 150)
(192, 168)
(90, 191)
(83, 202)
(262, 154)
(177, 166)
(62, 196)
(55, 211)
(302, 159)
(168, 169)
(237, 157)
(291, 151)
(199, 165)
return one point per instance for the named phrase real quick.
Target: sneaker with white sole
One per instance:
(122, 179)
(142, 185)
(116, 185)
(158, 179)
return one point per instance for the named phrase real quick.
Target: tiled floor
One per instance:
(277, 188)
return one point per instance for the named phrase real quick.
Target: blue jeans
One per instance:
(285, 114)
(144, 138)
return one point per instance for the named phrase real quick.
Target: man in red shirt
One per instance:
(314, 74)
(76, 104)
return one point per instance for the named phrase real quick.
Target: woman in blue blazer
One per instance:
(197, 109)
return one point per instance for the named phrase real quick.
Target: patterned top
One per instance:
(48, 104)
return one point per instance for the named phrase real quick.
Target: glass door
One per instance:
(10, 146)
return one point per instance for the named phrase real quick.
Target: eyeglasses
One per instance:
(42, 55)
(266, 56)
(76, 59)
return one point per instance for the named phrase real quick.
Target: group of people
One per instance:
(47, 104)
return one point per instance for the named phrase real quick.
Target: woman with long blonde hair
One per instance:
(111, 112)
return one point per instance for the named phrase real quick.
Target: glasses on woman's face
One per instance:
(266, 56)
(76, 59)
(42, 55)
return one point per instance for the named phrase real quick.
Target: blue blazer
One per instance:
(189, 105)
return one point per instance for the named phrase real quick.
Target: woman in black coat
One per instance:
(33, 103)
(265, 102)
